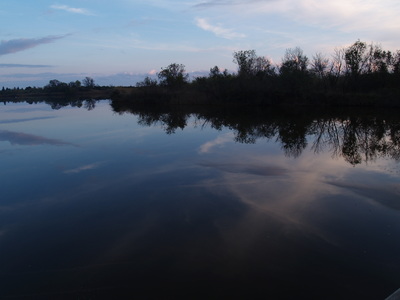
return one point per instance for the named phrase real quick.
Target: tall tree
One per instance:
(356, 58)
(173, 76)
(294, 60)
(319, 65)
(88, 82)
(249, 64)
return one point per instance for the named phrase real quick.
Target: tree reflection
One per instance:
(58, 103)
(170, 121)
(354, 135)
(90, 104)
(358, 139)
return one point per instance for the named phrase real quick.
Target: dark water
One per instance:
(112, 202)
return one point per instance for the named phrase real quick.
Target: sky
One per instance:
(119, 42)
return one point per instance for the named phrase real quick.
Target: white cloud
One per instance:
(74, 10)
(218, 30)
(346, 15)
(16, 45)
(218, 142)
(369, 20)
(82, 168)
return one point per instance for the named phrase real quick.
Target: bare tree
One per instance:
(88, 82)
(336, 68)
(319, 65)
(294, 60)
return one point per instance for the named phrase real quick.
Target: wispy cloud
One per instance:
(17, 45)
(218, 3)
(23, 120)
(219, 31)
(74, 10)
(218, 142)
(83, 168)
(384, 195)
(341, 14)
(247, 168)
(20, 138)
(24, 66)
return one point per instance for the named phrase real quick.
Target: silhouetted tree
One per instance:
(294, 74)
(336, 68)
(396, 62)
(215, 72)
(88, 82)
(54, 83)
(319, 65)
(173, 76)
(147, 82)
(75, 84)
(356, 58)
(56, 86)
(294, 61)
(249, 64)
(379, 61)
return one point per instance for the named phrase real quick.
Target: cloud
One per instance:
(365, 19)
(219, 141)
(218, 30)
(24, 66)
(249, 169)
(82, 168)
(73, 10)
(219, 3)
(341, 14)
(23, 120)
(17, 45)
(385, 195)
(20, 138)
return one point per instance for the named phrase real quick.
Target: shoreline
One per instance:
(188, 96)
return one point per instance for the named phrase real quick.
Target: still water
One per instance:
(103, 201)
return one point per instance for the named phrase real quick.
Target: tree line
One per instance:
(54, 87)
(360, 72)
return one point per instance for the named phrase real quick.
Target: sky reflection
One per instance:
(134, 209)
(20, 138)
(24, 120)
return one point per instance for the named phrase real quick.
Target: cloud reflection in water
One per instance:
(24, 120)
(83, 168)
(20, 138)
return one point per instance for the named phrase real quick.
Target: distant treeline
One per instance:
(361, 74)
(58, 89)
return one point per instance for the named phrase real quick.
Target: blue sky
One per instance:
(120, 41)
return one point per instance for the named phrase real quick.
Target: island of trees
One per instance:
(361, 74)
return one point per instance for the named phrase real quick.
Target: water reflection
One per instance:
(357, 136)
(134, 211)
(24, 120)
(20, 138)
(58, 103)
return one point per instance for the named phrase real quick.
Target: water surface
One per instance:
(100, 201)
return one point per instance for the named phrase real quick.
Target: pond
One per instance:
(101, 200)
